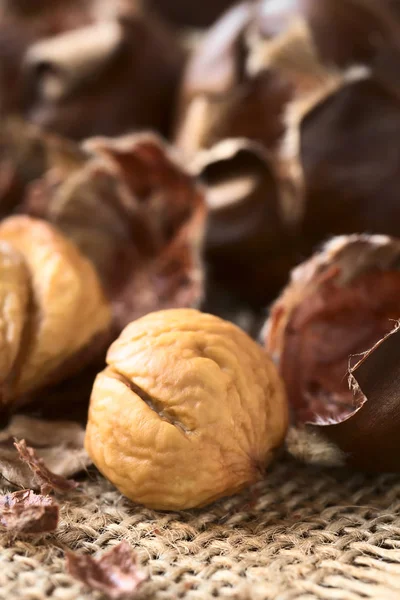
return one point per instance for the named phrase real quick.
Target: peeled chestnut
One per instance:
(188, 410)
(55, 317)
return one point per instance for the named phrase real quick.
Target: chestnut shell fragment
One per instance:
(273, 53)
(370, 438)
(219, 99)
(138, 215)
(338, 305)
(26, 154)
(65, 64)
(246, 229)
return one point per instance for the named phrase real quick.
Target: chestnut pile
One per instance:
(243, 163)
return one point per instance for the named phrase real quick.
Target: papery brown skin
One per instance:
(26, 513)
(66, 323)
(246, 232)
(115, 574)
(48, 480)
(58, 443)
(26, 154)
(137, 73)
(133, 205)
(337, 305)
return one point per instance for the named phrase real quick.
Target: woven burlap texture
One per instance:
(304, 533)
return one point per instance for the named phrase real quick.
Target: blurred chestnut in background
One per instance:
(219, 99)
(348, 161)
(258, 58)
(189, 14)
(111, 77)
(26, 154)
(248, 247)
(89, 68)
(22, 23)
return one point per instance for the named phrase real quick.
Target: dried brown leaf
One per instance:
(59, 444)
(27, 513)
(116, 574)
(49, 481)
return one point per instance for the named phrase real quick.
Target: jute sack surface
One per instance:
(304, 533)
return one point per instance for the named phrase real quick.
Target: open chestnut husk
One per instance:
(64, 64)
(22, 24)
(337, 306)
(26, 154)
(130, 62)
(138, 215)
(247, 228)
(257, 59)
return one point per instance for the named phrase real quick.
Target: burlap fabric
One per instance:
(304, 533)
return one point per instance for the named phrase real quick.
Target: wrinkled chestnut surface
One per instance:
(54, 317)
(189, 409)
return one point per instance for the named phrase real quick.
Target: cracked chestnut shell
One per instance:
(336, 307)
(189, 409)
(138, 214)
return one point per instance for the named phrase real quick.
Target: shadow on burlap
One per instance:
(303, 533)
